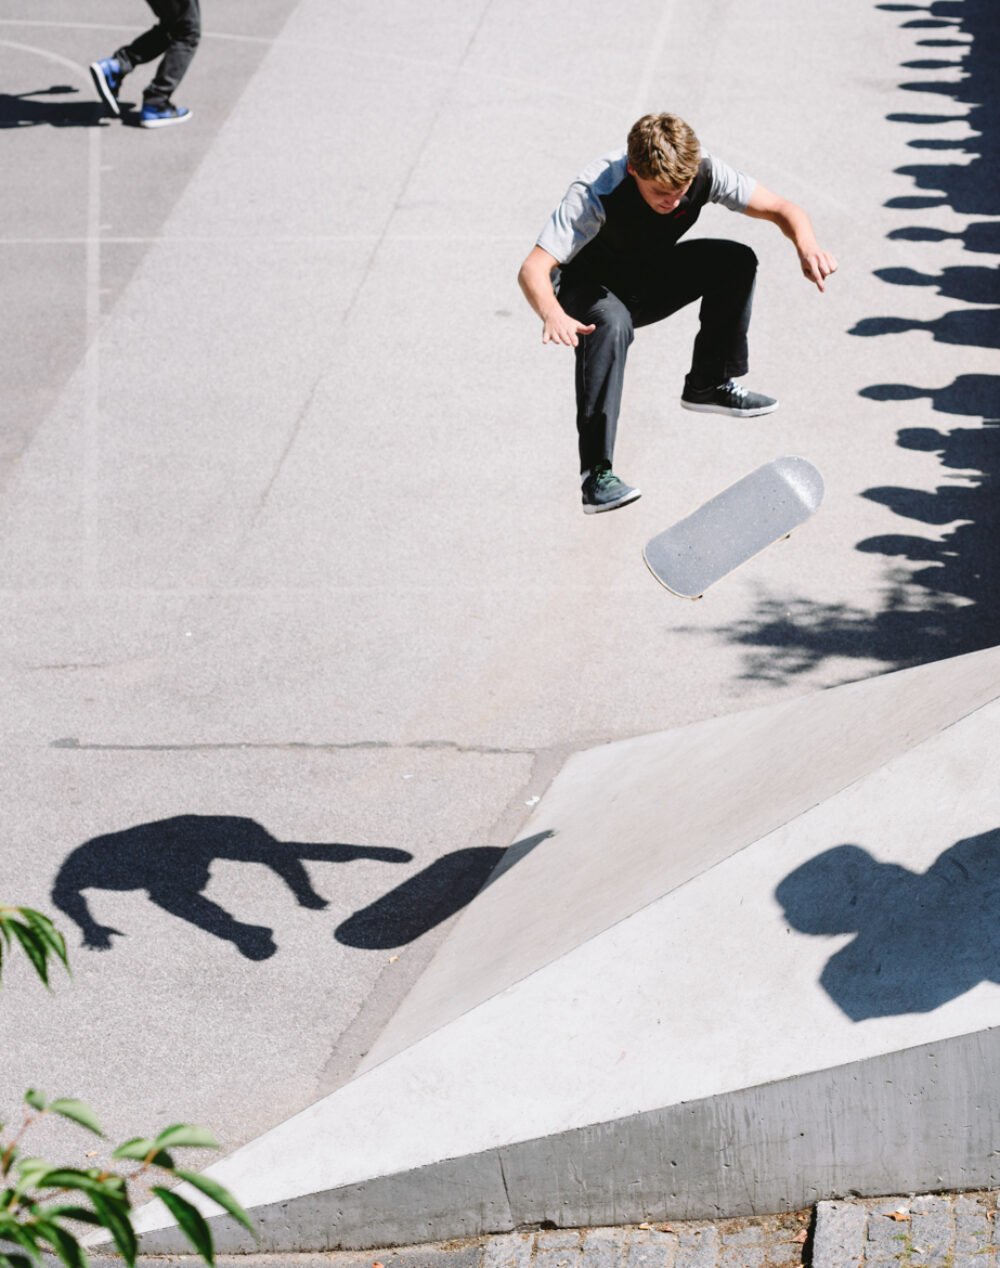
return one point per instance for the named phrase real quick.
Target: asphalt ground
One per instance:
(290, 543)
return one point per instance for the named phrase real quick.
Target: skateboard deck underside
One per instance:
(735, 525)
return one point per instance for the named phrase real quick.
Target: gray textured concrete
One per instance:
(790, 876)
(912, 1117)
(210, 332)
(629, 823)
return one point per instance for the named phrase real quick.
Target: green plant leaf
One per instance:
(29, 1171)
(8, 1158)
(14, 1261)
(114, 1216)
(62, 1242)
(182, 1136)
(82, 1213)
(138, 1147)
(47, 931)
(78, 1112)
(191, 1222)
(145, 1150)
(11, 1231)
(35, 1099)
(34, 948)
(89, 1182)
(219, 1195)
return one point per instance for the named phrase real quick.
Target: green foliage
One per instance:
(37, 935)
(40, 1204)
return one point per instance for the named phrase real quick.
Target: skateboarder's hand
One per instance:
(794, 223)
(560, 327)
(817, 266)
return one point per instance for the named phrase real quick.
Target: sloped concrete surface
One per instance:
(727, 1045)
(626, 824)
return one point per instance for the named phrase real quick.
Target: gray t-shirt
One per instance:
(580, 215)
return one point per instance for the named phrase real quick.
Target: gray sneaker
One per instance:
(728, 398)
(603, 491)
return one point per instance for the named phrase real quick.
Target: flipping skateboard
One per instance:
(735, 525)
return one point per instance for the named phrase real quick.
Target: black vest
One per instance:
(624, 255)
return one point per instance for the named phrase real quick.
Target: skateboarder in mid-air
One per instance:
(174, 39)
(609, 260)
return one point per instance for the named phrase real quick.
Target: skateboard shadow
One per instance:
(920, 939)
(171, 859)
(25, 110)
(420, 902)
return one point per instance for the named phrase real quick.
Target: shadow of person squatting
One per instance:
(171, 859)
(921, 939)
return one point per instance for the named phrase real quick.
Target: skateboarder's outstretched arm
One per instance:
(536, 282)
(817, 264)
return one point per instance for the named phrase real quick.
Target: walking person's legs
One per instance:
(174, 38)
(180, 22)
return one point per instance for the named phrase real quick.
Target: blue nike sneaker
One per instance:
(161, 116)
(107, 76)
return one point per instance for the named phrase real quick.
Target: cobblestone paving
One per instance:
(774, 1241)
(771, 1241)
(949, 1231)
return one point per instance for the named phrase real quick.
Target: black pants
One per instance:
(175, 37)
(718, 272)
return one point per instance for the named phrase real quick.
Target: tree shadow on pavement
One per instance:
(25, 110)
(940, 596)
(921, 939)
(171, 859)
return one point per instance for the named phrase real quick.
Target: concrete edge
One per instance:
(904, 1122)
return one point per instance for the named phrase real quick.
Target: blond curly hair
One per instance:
(663, 148)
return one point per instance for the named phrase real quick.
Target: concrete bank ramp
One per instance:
(730, 969)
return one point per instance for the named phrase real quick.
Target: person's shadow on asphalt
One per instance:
(24, 110)
(921, 939)
(171, 859)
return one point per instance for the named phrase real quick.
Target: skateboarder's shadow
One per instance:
(171, 859)
(922, 939)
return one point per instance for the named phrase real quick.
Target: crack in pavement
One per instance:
(71, 742)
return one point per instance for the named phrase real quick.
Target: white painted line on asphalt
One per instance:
(92, 309)
(88, 26)
(347, 55)
(279, 239)
(92, 362)
(267, 40)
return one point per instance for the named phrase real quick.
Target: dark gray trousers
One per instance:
(174, 38)
(718, 272)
